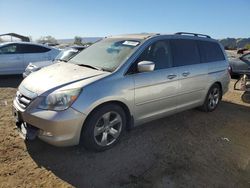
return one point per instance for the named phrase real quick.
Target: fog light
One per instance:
(46, 133)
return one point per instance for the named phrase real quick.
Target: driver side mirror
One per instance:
(146, 66)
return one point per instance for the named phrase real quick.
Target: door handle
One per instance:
(185, 74)
(171, 76)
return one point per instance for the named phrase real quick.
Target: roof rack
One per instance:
(194, 34)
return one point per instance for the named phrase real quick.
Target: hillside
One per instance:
(84, 40)
(233, 43)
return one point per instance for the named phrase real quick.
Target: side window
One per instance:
(9, 49)
(185, 52)
(29, 48)
(158, 52)
(210, 51)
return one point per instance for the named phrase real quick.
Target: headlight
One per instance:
(59, 100)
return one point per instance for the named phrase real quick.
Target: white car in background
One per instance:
(65, 55)
(15, 56)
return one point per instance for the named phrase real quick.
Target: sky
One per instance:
(65, 19)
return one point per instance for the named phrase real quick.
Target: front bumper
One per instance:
(59, 128)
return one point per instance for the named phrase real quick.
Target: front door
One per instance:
(155, 91)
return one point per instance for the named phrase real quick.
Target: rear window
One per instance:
(185, 52)
(27, 48)
(210, 51)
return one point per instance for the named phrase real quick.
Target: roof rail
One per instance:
(194, 34)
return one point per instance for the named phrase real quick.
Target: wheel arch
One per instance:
(129, 116)
(220, 85)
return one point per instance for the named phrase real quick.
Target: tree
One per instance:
(78, 40)
(47, 39)
(247, 46)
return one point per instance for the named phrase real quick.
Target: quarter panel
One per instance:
(218, 72)
(34, 57)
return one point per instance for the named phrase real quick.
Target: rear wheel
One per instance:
(103, 128)
(213, 98)
(246, 97)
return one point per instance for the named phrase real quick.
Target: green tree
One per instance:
(78, 40)
(247, 46)
(47, 39)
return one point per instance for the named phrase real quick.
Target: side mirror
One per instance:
(146, 66)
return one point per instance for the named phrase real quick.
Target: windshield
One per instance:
(65, 55)
(106, 54)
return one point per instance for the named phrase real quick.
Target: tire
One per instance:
(103, 128)
(246, 97)
(213, 98)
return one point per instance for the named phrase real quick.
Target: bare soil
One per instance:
(189, 149)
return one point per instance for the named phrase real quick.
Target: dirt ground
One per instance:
(189, 149)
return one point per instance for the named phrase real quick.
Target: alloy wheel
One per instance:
(214, 98)
(108, 128)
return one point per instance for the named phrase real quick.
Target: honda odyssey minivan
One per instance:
(118, 83)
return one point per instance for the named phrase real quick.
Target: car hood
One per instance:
(56, 76)
(234, 60)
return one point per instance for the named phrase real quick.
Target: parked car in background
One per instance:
(65, 55)
(15, 56)
(240, 64)
(118, 83)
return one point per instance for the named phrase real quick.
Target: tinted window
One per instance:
(185, 52)
(27, 48)
(210, 51)
(158, 53)
(9, 49)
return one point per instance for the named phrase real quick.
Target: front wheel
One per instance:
(103, 128)
(213, 98)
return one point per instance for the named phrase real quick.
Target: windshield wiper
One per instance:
(61, 60)
(90, 66)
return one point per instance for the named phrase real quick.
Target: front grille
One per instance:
(22, 100)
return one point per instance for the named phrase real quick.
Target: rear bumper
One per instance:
(57, 128)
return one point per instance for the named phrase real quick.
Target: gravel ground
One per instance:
(189, 149)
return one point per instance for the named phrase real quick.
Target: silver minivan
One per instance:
(118, 83)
